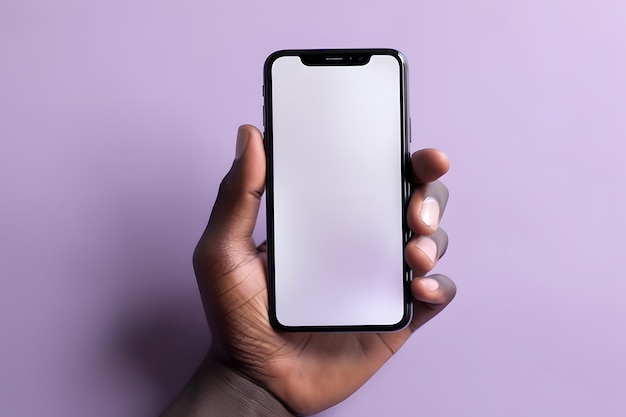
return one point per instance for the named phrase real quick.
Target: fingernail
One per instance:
(429, 212)
(242, 142)
(430, 284)
(428, 246)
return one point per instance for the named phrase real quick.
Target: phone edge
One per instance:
(405, 184)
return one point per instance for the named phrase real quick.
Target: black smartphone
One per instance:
(336, 136)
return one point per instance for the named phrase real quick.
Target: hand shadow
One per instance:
(162, 341)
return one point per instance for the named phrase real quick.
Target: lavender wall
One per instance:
(117, 121)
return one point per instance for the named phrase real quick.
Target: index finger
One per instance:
(427, 165)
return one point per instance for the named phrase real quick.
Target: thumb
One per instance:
(228, 235)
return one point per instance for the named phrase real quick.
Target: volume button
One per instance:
(263, 116)
(410, 130)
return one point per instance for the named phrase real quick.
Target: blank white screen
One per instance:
(337, 193)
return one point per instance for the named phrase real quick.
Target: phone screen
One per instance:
(336, 193)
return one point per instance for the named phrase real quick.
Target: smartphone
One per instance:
(336, 136)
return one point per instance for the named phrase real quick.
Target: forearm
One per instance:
(216, 390)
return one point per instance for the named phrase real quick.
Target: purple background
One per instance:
(117, 122)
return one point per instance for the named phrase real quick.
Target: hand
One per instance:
(308, 372)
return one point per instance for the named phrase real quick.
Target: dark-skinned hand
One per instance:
(308, 372)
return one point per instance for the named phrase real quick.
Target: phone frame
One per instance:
(317, 57)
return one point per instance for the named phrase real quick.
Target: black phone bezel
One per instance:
(317, 57)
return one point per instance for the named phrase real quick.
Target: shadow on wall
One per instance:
(160, 344)
(151, 215)
(158, 334)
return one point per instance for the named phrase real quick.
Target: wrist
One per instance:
(217, 390)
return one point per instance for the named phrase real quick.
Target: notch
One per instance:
(324, 58)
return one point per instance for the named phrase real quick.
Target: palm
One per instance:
(309, 371)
